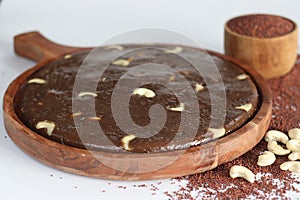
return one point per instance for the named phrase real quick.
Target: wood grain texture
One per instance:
(271, 57)
(34, 46)
(79, 161)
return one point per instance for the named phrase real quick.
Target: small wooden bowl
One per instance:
(271, 57)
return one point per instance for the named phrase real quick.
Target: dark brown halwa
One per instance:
(52, 101)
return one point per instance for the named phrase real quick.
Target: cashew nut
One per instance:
(77, 114)
(277, 136)
(81, 94)
(243, 172)
(126, 140)
(37, 81)
(294, 133)
(95, 118)
(218, 132)
(172, 78)
(47, 125)
(267, 158)
(122, 62)
(177, 109)
(118, 47)
(293, 145)
(144, 92)
(67, 56)
(245, 107)
(242, 77)
(276, 149)
(199, 87)
(294, 156)
(176, 50)
(293, 166)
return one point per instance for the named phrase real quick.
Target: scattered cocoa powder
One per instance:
(260, 25)
(122, 187)
(271, 182)
(169, 195)
(142, 186)
(153, 187)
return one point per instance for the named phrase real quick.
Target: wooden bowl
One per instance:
(271, 57)
(80, 161)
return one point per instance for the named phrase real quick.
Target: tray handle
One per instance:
(35, 46)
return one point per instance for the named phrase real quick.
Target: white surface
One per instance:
(88, 23)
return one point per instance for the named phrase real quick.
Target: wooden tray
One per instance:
(79, 161)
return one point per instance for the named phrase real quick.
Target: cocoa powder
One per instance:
(273, 182)
(260, 25)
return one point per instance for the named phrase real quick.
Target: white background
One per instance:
(89, 23)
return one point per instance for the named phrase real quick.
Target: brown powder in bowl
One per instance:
(271, 181)
(260, 25)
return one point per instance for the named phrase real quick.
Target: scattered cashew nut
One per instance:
(118, 47)
(177, 109)
(67, 56)
(81, 94)
(293, 145)
(172, 78)
(218, 132)
(266, 159)
(199, 87)
(277, 149)
(144, 92)
(294, 133)
(95, 118)
(242, 77)
(37, 81)
(245, 107)
(294, 156)
(47, 125)
(126, 140)
(176, 50)
(243, 172)
(277, 136)
(122, 62)
(293, 166)
(77, 114)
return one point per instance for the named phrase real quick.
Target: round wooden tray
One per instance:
(80, 161)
